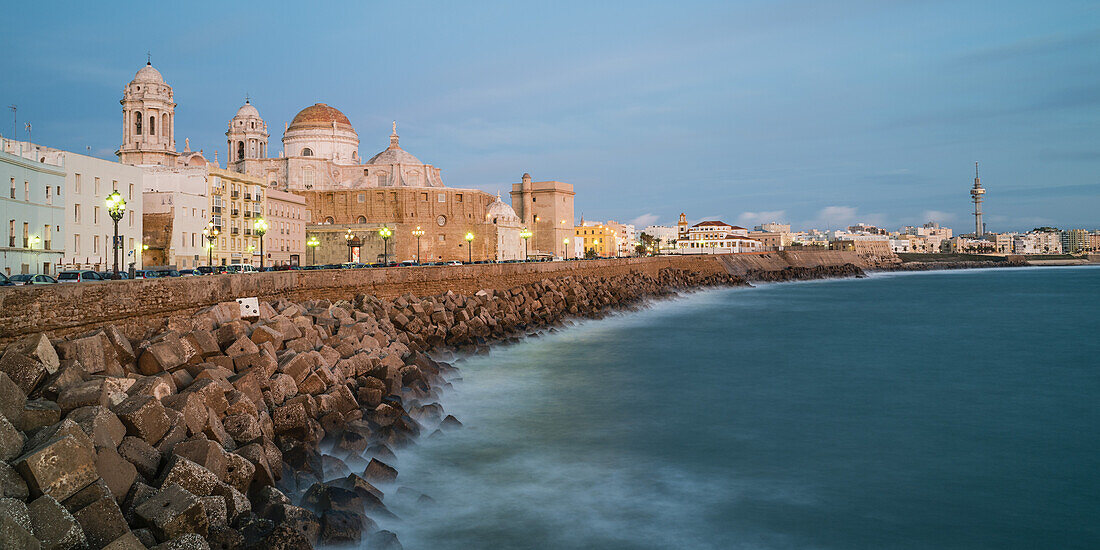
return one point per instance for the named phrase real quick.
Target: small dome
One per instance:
(394, 155)
(148, 74)
(497, 209)
(319, 115)
(247, 110)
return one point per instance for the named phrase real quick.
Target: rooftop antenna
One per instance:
(28, 126)
(148, 58)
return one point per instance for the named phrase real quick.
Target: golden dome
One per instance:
(321, 115)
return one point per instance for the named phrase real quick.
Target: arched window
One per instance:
(152, 125)
(240, 150)
(253, 125)
(307, 152)
(362, 219)
(164, 124)
(137, 123)
(307, 177)
(329, 221)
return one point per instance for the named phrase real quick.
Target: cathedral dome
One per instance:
(247, 110)
(394, 154)
(319, 114)
(499, 210)
(148, 74)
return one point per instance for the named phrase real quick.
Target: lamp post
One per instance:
(565, 253)
(470, 246)
(116, 207)
(526, 234)
(418, 233)
(210, 233)
(348, 236)
(385, 233)
(260, 228)
(313, 243)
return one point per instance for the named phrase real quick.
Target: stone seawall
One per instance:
(141, 307)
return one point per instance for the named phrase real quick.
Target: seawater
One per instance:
(923, 410)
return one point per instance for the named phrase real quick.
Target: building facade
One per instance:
(546, 209)
(597, 239)
(148, 121)
(286, 215)
(90, 229)
(33, 208)
(717, 237)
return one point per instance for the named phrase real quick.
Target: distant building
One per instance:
(716, 237)
(773, 227)
(666, 234)
(33, 208)
(546, 209)
(1075, 240)
(863, 245)
(286, 216)
(598, 237)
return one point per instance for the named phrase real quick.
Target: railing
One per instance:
(259, 196)
(234, 231)
(26, 242)
(248, 196)
(236, 212)
(248, 213)
(46, 245)
(11, 241)
(217, 209)
(247, 231)
(235, 194)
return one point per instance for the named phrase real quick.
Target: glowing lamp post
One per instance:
(348, 236)
(116, 207)
(526, 234)
(470, 246)
(211, 233)
(260, 228)
(385, 233)
(313, 243)
(418, 233)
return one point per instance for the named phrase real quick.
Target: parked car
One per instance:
(167, 273)
(4, 281)
(78, 276)
(454, 262)
(187, 273)
(145, 274)
(32, 279)
(248, 268)
(110, 275)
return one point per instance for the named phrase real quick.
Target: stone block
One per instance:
(291, 419)
(58, 468)
(27, 373)
(298, 366)
(12, 399)
(192, 406)
(343, 528)
(259, 359)
(203, 342)
(70, 373)
(255, 453)
(86, 394)
(13, 535)
(94, 352)
(102, 522)
(38, 413)
(160, 386)
(39, 348)
(205, 453)
(242, 346)
(380, 472)
(243, 428)
(54, 526)
(265, 333)
(216, 432)
(251, 383)
(117, 472)
(173, 512)
(12, 485)
(238, 472)
(312, 384)
(144, 457)
(16, 510)
(144, 417)
(88, 495)
(101, 425)
(190, 476)
(124, 350)
(128, 541)
(164, 355)
(11, 440)
(237, 504)
(217, 514)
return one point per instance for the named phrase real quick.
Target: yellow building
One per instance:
(237, 201)
(597, 236)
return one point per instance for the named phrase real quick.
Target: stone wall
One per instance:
(143, 306)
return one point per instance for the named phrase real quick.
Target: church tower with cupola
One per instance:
(148, 121)
(246, 137)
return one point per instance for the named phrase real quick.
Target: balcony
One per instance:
(247, 231)
(46, 245)
(234, 231)
(248, 213)
(236, 212)
(248, 196)
(26, 242)
(259, 196)
(11, 241)
(217, 209)
(235, 195)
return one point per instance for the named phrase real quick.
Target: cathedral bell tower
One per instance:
(148, 121)
(246, 137)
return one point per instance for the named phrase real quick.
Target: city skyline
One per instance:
(748, 113)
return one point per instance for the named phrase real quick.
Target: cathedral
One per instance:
(350, 198)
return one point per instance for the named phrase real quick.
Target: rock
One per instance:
(238, 472)
(226, 538)
(13, 535)
(243, 346)
(142, 455)
(188, 475)
(291, 419)
(343, 527)
(87, 496)
(128, 541)
(17, 510)
(268, 501)
(172, 512)
(11, 440)
(12, 484)
(102, 522)
(382, 540)
(164, 355)
(205, 453)
(84, 394)
(304, 521)
(144, 417)
(94, 352)
(54, 526)
(276, 537)
(58, 468)
(24, 371)
(118, 473)
(217, 517)
(189, 541)
(263, 474)
(237, 504)
(380, 472)
(243, 428)
(450, 422)
(12, 399)
(101, 425)
(193, 408)
(124, 350)
(38, 413)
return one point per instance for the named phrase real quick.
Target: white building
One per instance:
(716, 237)
(33, 209)
(510, 245)
(89, 227)
(666, 233)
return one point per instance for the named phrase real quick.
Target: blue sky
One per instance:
(815, 113)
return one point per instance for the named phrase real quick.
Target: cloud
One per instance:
(645, 220)
(749, 219)
(840, 217)
(938, 216)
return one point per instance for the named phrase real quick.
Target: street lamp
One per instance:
(210, 233)
(116, 207)
(348, 236)
(470, 246)
(526, 234)
(260, 228)
(418, 233)
(566, 243)
(385, 233)
(34, 240)
(313, 243)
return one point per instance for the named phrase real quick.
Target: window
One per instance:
(76, 213)
(95, 214)
(458, 197)
(11, 233)
(152, 125)
(329, 220)
(361, 219)
(27, 191)
(137, 122)
(76, 244)
(131, 216)
(114, 185)
(97, 187)
(534, 199)
(442, 197)
(307, 152)
(442, 237)
(240, 150)
(424, 197)
(131, 192)
(13, 188)
(307, 176)
(96, 243)
(49, 196)
(362, 197)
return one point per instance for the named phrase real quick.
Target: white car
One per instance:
(454, 262)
